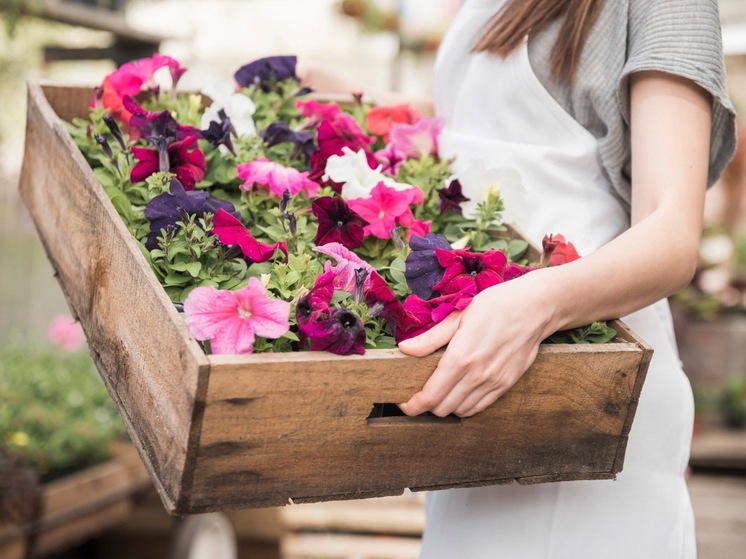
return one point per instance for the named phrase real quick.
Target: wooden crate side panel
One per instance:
(153, 369)
(276, 429)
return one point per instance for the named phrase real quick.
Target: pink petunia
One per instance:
(231, 231)
(66, 333)
(391, 159)
(347, 263)
(384, 207)
(131, 78)
(419, 139)
(277, 177)
(231, 320)
(414, 226)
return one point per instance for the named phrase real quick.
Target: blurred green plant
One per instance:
(719, 284)
(55, 412)
(733, 401)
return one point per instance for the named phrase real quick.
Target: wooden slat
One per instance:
(80, 505)
(294, 427)
(344, 546)
(153, 369)
(386, 515)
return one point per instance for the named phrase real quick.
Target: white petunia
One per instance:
(477, 181)
(237, 106)
(352, 171)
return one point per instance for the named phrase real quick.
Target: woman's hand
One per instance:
(491, 344)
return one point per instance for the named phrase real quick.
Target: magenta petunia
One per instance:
(231, 320)
(316, 302)
(276, 177)
(378, 292)
(231, 231)
(467, 270)
(347, 262)
(419, 139)
(383, 207)
(337, 222)
(184, 159)
(422, 314)
(514, 270)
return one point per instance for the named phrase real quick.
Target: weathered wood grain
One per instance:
(153, 369)
(280, 427)
(229, 432)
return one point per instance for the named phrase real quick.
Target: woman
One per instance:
(615, 116)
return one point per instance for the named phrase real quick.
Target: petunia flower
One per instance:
(451, 198)
(465, 270)
(186, 161)
(378, 292)
(423, 269)
(422, 314)
(557, 250)
(266, 70)
(337, 223)
(231, 231)
(166, 209)
(231, 320)
(352, 170)
(342, 333)
(347, 262)
(238, 107)
(316, 302)
(480, 181)
(391, 159)
(220, 133)
(160, 124)
(277, 177)
(414, 226)
(132, 78)
(279, 132)
(514, 270)
(66, 332)
(383, 207)
(419, 139)
(381, 119)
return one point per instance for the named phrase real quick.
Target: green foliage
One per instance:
(596, 333)
(55, 412)
(732, 401)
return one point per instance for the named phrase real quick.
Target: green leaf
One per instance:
(194, 268)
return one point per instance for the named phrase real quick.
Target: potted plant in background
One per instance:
(65, 472)
(733, 402)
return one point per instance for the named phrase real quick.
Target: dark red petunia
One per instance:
(317, 301)
(451, 198)
(337, 223)
(185, 161)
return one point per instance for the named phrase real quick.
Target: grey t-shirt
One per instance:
(679, 37)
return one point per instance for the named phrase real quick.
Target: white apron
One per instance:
(497, 111)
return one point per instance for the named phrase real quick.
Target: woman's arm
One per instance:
(496, 338)
(324, 80)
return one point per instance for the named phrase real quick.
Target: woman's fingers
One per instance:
(435, 338)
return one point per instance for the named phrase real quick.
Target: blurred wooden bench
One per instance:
(127, 43)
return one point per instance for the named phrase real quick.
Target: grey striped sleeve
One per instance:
(682, 37)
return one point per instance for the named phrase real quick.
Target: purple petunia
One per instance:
(342, 333)
(166, 209)
(280, 132)
(451, 198)
(265, 70)
(423, 270)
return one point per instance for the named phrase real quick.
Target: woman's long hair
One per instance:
(518, 18)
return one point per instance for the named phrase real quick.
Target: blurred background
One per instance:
(386, 44)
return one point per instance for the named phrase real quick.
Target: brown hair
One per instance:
(518, 18)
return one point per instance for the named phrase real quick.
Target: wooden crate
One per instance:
(78, 506)
(225, 432)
